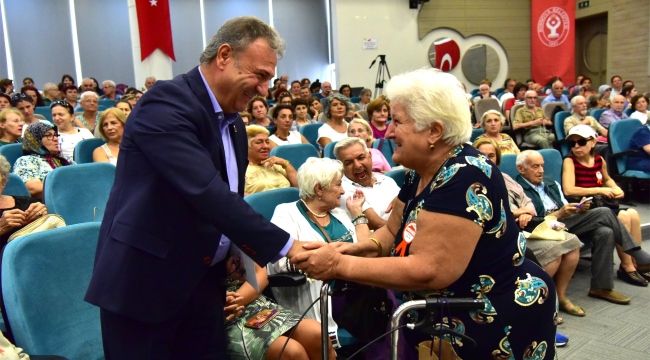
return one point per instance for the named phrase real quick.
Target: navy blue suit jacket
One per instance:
(170, 204)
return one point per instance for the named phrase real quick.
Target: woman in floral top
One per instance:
(40, 156)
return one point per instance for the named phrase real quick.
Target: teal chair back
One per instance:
(508, 165)
(552, 165)
(79, 193)
(597, 112)
(265, 202)
(12, 152)
(387, 147)
(476, 133)
(296, 154)
(44, 111)
(620, 133)
(44, 278)
(328, 151)
(83, 151)
(106, 103)
(558, 124)
(399, 175)
(629, 111)
(310, 132)
(15, 186)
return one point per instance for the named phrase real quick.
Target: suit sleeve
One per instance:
(166, 130)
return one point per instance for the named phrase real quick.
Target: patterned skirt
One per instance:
(250, 344)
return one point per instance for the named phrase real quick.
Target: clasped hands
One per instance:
(16, 218)
(319, 260)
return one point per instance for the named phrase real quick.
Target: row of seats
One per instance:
(83, 152)
(46, 112)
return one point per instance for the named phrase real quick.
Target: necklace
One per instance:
(320, 216)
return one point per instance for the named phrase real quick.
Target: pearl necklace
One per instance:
(320, 216)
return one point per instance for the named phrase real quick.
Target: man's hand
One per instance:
(524, 219)
(319, 262)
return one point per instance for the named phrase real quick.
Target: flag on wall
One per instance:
(552, 39)
(155, 27)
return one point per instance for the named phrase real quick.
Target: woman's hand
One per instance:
(11, 219)
(274, 160)
(34, 211)
(232, 309)
(355, 202)
(524, 219)
(319, 263)
(618, 193)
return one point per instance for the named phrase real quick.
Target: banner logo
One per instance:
(553, 26)
(444, 54)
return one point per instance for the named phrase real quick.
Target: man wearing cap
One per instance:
(615, 112)
(579, 116)
(598, 227)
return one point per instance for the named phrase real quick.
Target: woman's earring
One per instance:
(432, 146)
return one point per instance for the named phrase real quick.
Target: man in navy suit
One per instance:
(176, 205)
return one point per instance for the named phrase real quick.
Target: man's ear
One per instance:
(224, 55)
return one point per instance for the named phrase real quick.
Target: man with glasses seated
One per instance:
(598, 226)
(530, 119)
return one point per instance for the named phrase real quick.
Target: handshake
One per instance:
(318, 260)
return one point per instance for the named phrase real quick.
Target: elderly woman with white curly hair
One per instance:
(317, 216)
(450, 232)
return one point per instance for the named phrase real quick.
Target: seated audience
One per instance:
(484, 92)
(640, 142)
(24, 104)
(615, 112)
(360, 128)
(66, 80)
(597, 227)
(301, 113)
(379, 190)
(5, 101)
(346, 91)
(557, 95)
(295, 89)
(335, 127)
(492, 122)
(258, 107)
(69, 134)
(579, 115)
(305, 94)
(245, 117)
(245, 304)
(378, 112)
(110, 90)
(586, 89)
(51, 93)
(364, 99)
(41, 155)
(111, 129)
(315, 108)
(584, 173)
(125, 106)
(284, 97)
(639, 103)
(317, 217)
(15, 211)
(11, 126)
(70, 95)
(558, 258)
(265, 172)
(519, 97)
(532, 121)
(628, 91)
(34, 94)
(283, 120)
(89, 117)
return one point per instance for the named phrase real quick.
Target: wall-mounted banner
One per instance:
(155, 27)
(552, 39)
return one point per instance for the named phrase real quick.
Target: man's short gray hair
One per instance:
(523, 156)
(346, 143)
(317, 171)
(575, 99)
(88, 93)
(240, 32)
(110, 83)
(432, 96)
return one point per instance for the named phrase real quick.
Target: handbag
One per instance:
(437, 349)
(549, 229)
(45, 222)
(603, 201)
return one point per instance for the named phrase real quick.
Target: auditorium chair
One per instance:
(15, 186)
(560, 136)
(296, 154)
(310, 132)
(83, 151)
(12, 152)
(387, 147)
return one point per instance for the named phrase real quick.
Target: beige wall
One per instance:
(628, 39)
(507, 21)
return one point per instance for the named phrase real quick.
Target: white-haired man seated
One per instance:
(378, 189)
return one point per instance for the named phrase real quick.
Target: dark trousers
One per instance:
(195, 332)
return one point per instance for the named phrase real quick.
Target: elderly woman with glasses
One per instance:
(584, 173)
(40, 156)
(450, 232)
(15, 211)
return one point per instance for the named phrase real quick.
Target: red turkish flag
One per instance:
(552, 39)
(155, 27)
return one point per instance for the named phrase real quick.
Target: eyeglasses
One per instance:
(50, 136)
(581, 142)
(531, 97)
(18, 97)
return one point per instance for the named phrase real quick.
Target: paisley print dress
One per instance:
(517, 321)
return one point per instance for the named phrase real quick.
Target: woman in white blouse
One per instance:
(69, 135)
(335, 127)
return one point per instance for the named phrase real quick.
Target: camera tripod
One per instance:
(382, 70)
